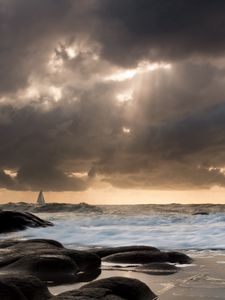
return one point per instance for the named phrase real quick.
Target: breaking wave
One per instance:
(173, 226)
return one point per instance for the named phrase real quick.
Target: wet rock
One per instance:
(15, 221)
(113, 288)
(137, 257)
(157, 269)
(178, 257)
(84, 259)
(49, 261)
(88, 294)
(126, 288)
(103, 252)
(145, 257)
(22, 288)
(49, 268)
(88, 275)
(10, 292)
(203, 213)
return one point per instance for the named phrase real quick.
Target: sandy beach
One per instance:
(203, 279)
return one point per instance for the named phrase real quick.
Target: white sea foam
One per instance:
(115, 227)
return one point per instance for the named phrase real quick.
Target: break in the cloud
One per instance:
(126, 92)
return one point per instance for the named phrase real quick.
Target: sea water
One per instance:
(166, 227)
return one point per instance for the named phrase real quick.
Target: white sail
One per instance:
(41, 199)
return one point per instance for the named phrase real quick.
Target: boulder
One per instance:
(113, 288)
(137, 257)
(103, 252)
(126, 288)
(145, 257)
(22, 288)
(178, 257)
(15, 221)
(88, 294)
(55, 269)
(49, 261)
(157, 269)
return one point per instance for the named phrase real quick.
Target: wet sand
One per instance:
(203, 279)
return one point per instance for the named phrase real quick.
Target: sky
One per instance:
(110, 101)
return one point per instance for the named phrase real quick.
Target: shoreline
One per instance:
(202, 279)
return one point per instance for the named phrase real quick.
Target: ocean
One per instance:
(180, 227)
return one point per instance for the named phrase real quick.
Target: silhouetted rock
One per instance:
(157, 269)
(10, 292)
(204, 213)
(178, 257)
(88, 294)
(137, 257)
(85, 260)
(145, 257)
(22, 288)
(15, 221)
(49, 261)
(127, 288)
(103, 252)
(113, 288)
(49, 268)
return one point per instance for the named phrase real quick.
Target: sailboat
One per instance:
(41, 199)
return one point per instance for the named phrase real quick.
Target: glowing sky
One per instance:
(111, 101)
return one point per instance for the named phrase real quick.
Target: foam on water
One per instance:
(161, 229)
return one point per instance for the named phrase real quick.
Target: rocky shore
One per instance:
(28, 268)
(43, 269)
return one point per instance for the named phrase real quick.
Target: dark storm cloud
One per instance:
(162, 30)
(61, 125)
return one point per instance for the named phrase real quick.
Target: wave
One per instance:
(51, 207)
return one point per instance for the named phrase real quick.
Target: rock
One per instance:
(43, 242)
(113, 288)
(88, 276)
(137, 257)
(15, 221)
(145, 257)
(48, 268)
(22, 288)
(204, 213)
(10, 292)
(157, 269)
(126, 288)
(88, 294)
(103, 252)
(84, 259)
(178, 257)
(49, 261)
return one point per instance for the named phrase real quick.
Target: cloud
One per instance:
(62, 112)
(157, 30)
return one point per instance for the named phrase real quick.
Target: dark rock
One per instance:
(157, 269)
(43, 242)
(103, 252)
(22, 288)
(48, 268)
(126, 288)
(204, 213)
(49, 261)
(10, 292)
(84, 259)
(145, 257)
(15, 221)
(137, 257)
(113, 288)
(177, 257)
(32, 288)
(88, 275)
(88, 294)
